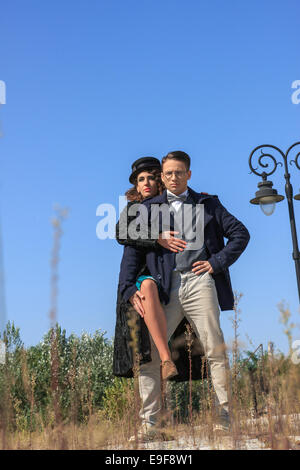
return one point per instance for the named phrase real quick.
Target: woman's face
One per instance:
(146, 184)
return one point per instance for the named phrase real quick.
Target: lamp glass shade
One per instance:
(267, 207)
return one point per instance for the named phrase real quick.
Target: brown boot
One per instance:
(168, 370)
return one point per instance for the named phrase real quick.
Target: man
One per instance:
(193, 283)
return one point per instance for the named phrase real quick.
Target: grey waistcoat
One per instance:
(189, 222)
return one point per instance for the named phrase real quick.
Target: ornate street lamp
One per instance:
(267, 197)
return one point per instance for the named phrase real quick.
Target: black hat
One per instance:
(143, 164)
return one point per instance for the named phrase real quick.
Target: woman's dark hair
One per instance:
(133, 195)
(178, 155)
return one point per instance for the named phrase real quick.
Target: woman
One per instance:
(190, 362)
(146, 182)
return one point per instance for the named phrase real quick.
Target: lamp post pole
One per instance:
(268, 195)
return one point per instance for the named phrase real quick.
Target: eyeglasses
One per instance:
(178, 174)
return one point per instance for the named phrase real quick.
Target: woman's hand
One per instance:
(167, 240)
(136, 302)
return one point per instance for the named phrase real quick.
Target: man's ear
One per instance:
(189, 174)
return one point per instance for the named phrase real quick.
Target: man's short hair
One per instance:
(178, 155)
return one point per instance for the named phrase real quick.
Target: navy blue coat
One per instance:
(218, 223)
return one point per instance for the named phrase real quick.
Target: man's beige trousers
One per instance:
(195, 297)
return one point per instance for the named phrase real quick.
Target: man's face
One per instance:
(175, 176)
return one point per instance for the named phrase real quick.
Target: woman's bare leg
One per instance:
(155, 318)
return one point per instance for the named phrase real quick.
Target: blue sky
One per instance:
(94, 85)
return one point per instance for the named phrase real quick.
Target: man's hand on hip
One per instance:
(136, 302)
(202, 267)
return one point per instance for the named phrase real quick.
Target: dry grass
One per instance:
(60, 410)
(273, 424)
